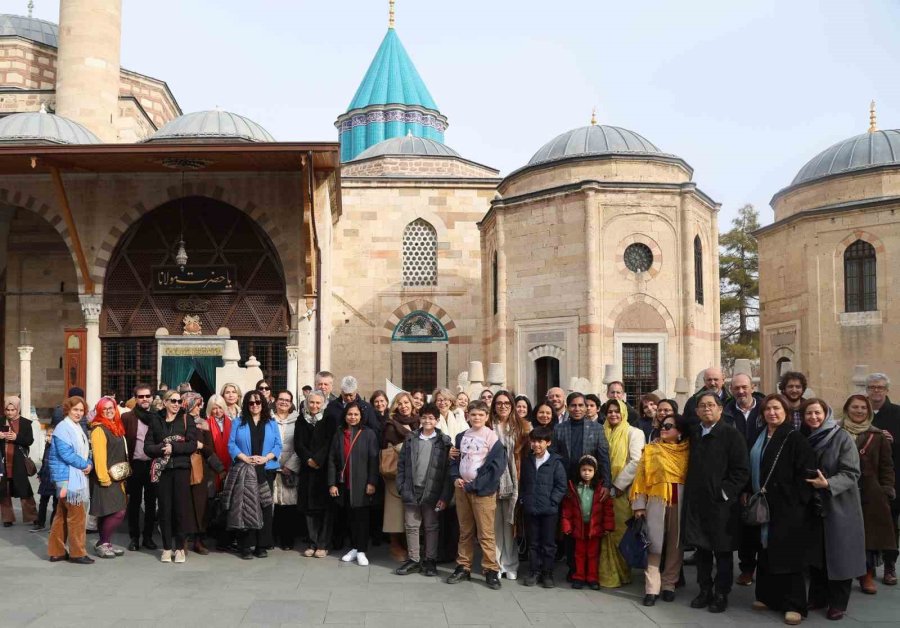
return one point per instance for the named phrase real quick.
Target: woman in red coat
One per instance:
(587, 516)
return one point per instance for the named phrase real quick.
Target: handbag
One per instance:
(756, 512)
(121, 470)
(196, 463)
(635, 543)
(387, 463)
(30, 467)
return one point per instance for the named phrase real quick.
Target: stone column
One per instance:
(25, 380)
(90, 307)
(594, 325)
(293, 355)
(306, 345)
(687, 318)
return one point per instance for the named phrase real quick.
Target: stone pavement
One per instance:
(286, 589)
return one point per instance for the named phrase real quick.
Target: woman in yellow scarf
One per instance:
(625, 445)
(655, 495)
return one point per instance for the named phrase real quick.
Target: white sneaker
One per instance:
(350, 556)
(166, 556)
(511, 575)
(179, 556)
(361, 559)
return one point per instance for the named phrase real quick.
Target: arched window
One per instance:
(419, 254)
(860, 294)
(698, 270)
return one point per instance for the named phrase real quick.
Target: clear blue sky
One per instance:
(745, 91)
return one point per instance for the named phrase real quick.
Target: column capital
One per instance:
(293, 353)
(25, 353)
(91, 304)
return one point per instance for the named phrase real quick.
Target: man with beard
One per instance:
(713, 381)
(139, 487)
(792, 385)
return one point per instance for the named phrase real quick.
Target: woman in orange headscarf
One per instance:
(108, 476)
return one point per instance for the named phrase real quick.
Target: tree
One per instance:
(739, 286)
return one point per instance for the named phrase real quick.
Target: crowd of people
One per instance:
(803, 493)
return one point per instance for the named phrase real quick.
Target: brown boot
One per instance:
(890, 575)
(867, 583)
(200, 548)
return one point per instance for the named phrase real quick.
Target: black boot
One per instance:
(703, 599)
(492, 579)
(650, 600)
(718, 604)
(459, 574)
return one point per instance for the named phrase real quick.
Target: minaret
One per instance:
(87, 75)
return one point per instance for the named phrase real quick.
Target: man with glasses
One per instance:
(887, 418)
(710, 511)
(139, 487)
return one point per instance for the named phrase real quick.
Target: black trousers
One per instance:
(285, 523)
(42, 509)
(260, 539)
(890, 556)
(319, 525)
(176, 516)
(140, 489)
(541, 542)
(749, 549)
(832, 593)
(785, 592)
(724, 571)
(358, 525)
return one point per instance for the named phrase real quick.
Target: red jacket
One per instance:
(603, 518)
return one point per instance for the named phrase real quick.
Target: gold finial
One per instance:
(872, 118)
(391, 14)
(594, 116)
(30, 7)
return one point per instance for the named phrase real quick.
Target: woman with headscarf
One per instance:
(312, 442)
(876, 483)
(16, 436)
(206, 467)
(70, 464)
(108, 499)
(625, 446)
(284, 493)
(654, 494)
(837, 536)
(402, 421)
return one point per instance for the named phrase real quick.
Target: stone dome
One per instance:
(595, 139)
(211, 125)
(40, 127)
(41, 31)
(868, 150)
(407, 146)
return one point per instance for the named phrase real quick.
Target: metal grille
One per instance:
(860, 292)
(698, 270)
(419, 371)
(640, 369)
(419, 254)
(126, 362)
(272, 356)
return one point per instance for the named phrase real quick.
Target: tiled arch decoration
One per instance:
(48, 213)
(286, 249)
(418, 304)
(641, 238)
(610, 327)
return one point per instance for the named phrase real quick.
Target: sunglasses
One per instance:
(174, 400)
(143, 396)
(263, 388)
(254, 403)
(667, 426)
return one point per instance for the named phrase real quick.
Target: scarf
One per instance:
(661, 466)
(220, 442)
(71, 433)
(159, 464)
(144, 416)
(821, 436)
(853, 428)
(114, 424)
(312, 419)
(618, 441)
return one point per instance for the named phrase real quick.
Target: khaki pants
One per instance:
(476, 516)
(674, 554)
(68, 524)
(29, 508)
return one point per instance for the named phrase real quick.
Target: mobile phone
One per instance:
(812, 473)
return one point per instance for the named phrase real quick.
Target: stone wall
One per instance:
(416, 166)
(27, 65)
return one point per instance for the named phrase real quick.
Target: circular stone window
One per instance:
(638, 257)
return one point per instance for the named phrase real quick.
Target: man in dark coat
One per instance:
(710, 518)
(887, 418)
(139, 487)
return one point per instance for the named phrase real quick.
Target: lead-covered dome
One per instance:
(868, 150)
(595, 139)
(211, 126)
(407, 146)
(40, 127)
(40, 31)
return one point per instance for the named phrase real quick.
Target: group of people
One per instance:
(805, 497)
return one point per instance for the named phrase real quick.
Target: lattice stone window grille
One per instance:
(419, 254)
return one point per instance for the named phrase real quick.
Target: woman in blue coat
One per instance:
(255, 440)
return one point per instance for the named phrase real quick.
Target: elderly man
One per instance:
(325, 385)
(713, 381)
(710, 510)
(556, 397)
(616, 390)
(335, 409)
(887, 418)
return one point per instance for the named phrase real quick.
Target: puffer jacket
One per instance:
(602, 519)
(542, 489)
(243, 498)
(437, 477)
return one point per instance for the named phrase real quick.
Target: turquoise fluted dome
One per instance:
(391, 101)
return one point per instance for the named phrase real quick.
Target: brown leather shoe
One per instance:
(835, 614)
(867, 583)
(200, 548)
(745, 579)
(890, 575)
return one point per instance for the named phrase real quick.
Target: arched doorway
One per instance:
(221, 243)
(546, 376)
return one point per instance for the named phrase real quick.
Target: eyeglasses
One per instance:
(504, 404)
(667, 426)
(143, 396)
(263, 388)
(283, 400)
(707, 406)
(876, 388)
(174, 400)
(254, 402)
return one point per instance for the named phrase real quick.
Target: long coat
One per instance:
(21, 486)
(363, 468)
(877, 490)
(313, 442)
(845, 551)
(719, 464)
(789, 496)
(888, 418)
